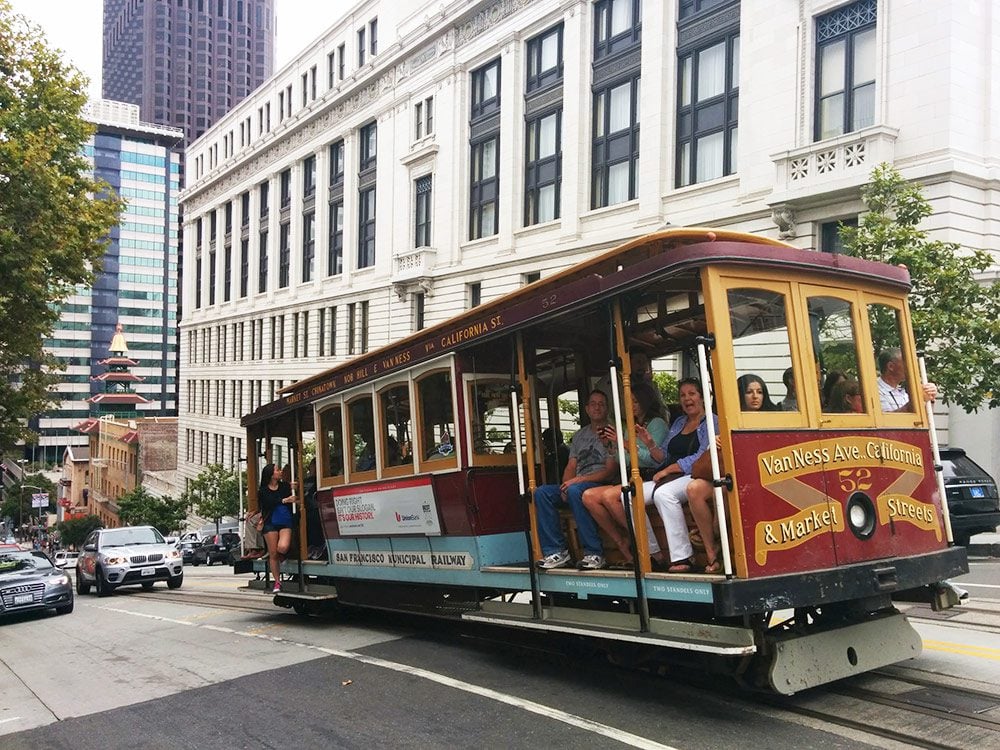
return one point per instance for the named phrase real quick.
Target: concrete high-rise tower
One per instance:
(186, 63)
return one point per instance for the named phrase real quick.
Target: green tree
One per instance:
(17, 498)
(73, 531)
(666, 384)
(140, 508)
(956, 317)
(53, 217)
(214, 493)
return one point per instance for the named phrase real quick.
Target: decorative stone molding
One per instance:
(784, 218)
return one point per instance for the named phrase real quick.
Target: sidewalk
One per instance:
(984, 545)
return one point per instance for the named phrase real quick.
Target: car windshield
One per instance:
(125, 537)
(961, 467)
(23, 560)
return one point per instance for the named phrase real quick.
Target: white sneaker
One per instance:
(555, 560)
(592, 562)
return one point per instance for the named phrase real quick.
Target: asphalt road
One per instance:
(134, 672)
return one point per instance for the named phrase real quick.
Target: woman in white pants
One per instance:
(686, 440)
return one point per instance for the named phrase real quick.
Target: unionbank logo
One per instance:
(407, 517)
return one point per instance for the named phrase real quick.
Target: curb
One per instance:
(983, 550)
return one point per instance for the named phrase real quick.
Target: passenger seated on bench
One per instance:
(685, 442)
(591, 463)
(700, 497)
(606, 503)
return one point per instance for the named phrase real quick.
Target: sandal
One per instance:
(684, 566)
(714, 567)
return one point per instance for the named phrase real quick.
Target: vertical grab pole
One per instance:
(704, 344)
(936, 454)
(628, 489)
(296, 464)
(526, 490)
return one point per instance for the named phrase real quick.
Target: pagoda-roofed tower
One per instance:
(117, 381)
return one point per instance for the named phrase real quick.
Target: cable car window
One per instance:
(436, 419)
(491, 426)
(885, 323)
(835, 349)
(361, 428)
(394, 409)
(332, 444)
(761, 350)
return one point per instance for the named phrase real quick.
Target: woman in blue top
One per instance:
(605, 503)
(684, 443)
(273, 498)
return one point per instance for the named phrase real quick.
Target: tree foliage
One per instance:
(54, 217)
(140, 508)
(17, 497)
(955, 315)
(214, 493)
(73, 531)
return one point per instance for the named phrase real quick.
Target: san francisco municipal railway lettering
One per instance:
(805, 458)
(416, 559)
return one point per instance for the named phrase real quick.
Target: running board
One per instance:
(721, 640)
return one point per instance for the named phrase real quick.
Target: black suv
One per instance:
(222, 548)
(973, 501)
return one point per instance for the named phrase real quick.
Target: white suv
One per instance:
(65, 558)
(126, 556)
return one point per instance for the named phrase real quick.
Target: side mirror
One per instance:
(90, 548)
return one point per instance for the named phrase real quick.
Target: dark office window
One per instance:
(229, 218)
(708, 93)
(264, 191)
(284, 254)
(373, 37)
(363, 326)
(331, 69)
(617, 26)
(361, 47)
(366, 228)
(227, 273)
(616, 143)
(245, 209)
(422, 212)
(286, 188)
(341, 61)
(486, 90)
(845, 69)
(418, 311)
(484, 193)
(262, 263)
(369, 146)
(335, 250)
(337, 163)
(244, 267)
(475, 294)
(211, 277)
(308, 245)
(197, 281)
(308, 176)
(545, 58)
(829, 234)
(352, 327)
(543, 168)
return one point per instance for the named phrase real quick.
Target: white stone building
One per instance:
(417, 159)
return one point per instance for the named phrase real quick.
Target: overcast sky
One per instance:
(74, 26)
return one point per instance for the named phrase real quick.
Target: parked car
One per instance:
(66, 559)
(187, 550)
(30, 582)
(126, 556)
(218, 548)
(973, 500)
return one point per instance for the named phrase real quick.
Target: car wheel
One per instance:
(175, 582)
(301, 609)
(103, 587)
(82, 587)
(147, 585)
(65, 610)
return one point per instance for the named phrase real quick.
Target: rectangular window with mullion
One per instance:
(543, 168)
(244, 267)
(484, 195)
(422, 211)
(308, 245)
(369, 146)
(486, 90)
(846, 58)
(708, 109)
(335, 250)
(616, 142)
(262, 263)
(284, 255)
(545, 59)
(366, 228)
(227, 273)
(336, 163)
(617, 26)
